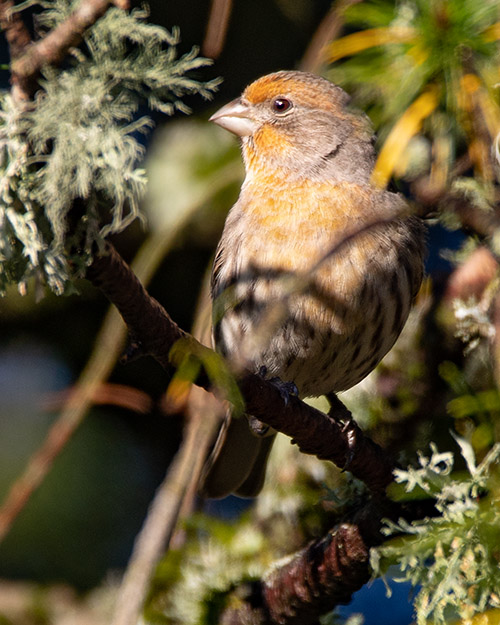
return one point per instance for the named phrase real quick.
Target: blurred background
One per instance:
(79, 526)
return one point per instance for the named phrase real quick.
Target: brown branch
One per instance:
(321, 576)
(51, 49)
(18, 39)
(145, 317)
(335, 437)
(314, 580)
(16, 33)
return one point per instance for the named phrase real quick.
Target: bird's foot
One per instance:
(286, 389)
(343, 416)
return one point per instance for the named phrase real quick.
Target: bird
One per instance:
(316, 269)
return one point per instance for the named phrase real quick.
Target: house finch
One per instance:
(316, 269)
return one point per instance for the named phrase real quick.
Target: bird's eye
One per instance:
(281, 105)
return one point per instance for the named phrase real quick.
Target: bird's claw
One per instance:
(286, 389)
(349, 457)
(344, 418)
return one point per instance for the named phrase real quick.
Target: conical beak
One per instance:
(235, 117)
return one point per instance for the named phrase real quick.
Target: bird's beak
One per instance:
(235, 117)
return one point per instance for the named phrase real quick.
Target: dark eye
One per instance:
(281, 105)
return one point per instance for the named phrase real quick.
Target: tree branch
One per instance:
(52, 49)
(147, 320)
(321, 576)
(18, 39)
(334, 437)
(162, 518)
(16, 33)
(314, 580)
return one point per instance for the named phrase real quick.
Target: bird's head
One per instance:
(299, 125)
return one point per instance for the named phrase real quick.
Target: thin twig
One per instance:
(218, 22)
(119, 395)
(329, 28)
(163, 516)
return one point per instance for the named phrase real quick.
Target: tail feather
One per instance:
(237, 463)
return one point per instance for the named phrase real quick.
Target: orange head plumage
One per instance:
(300, 125)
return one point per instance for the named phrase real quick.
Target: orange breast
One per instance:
(294, 227)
